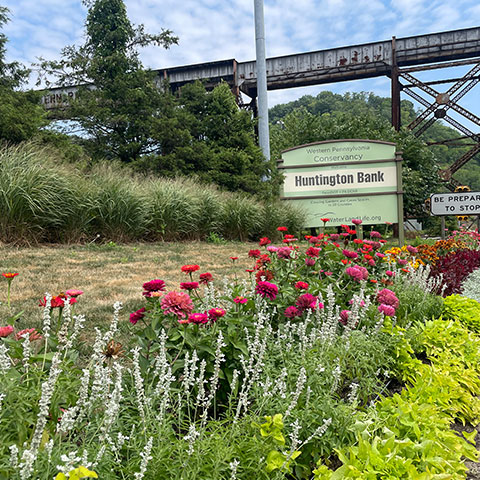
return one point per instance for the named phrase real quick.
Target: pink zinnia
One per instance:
(5, 331)
(356, 221)
(374, 234)
(284, 252)
(387, 310)
(389, 273)
(136, 316)
(177, 303)
(292, 312)
(310, 261)
(412, 250)
(272, 248)
(350, 254)
(388, 297)
(301, 285)
(74, 293)
(198, 318)
(402, 262)
(240, 300)
(189, 285)
(34, 335)
(357, 272)
(267, 290)
(306, 301)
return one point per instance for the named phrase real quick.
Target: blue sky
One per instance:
(215, 30)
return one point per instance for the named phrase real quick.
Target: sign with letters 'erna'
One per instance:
(344, 179)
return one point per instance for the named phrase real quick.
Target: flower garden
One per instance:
(332, 356)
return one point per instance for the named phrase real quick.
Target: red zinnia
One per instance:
(190, 268)
(57, 301)
(254, 253)
(9, 275)
(292, 312)
(189, 285)
(301, 285)
(206, 278)
(282, 229)
(266, 274)
(325, 220)
(312, 252)
(264, 241)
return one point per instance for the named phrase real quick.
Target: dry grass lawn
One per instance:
(107, 273)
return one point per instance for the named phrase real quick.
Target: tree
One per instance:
(118, 104)
(212, 138)
(21, 115)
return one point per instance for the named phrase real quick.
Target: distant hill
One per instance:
(368, 105)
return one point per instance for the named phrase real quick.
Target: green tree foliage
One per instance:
(211, 138)
(420, 175)
(20, 113)
(118, 104)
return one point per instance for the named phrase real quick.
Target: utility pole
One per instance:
(263, 130)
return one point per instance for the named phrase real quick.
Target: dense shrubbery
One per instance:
(44, 201)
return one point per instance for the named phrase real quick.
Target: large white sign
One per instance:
(460, 203)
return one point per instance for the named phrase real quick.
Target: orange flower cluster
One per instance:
(431, 253)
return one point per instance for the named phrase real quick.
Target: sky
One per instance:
(211, 30)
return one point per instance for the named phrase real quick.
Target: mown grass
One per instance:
(107, 273)
(42, 200)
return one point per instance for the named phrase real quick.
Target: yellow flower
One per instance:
(77, 474)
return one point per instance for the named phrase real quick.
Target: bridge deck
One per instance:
(322, 66)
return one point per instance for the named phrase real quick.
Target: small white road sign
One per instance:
(459, 203)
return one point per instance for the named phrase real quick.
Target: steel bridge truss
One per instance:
(437, 106)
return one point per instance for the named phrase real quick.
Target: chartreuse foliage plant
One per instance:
(408, 435)
(465, 310)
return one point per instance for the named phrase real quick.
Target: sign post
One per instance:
(343, 180)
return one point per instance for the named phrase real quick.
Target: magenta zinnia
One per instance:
(198, 318)
(136, 316)
(177, 303)
(306, 301)
(156, 285)
(189, 285)
(267, 290)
